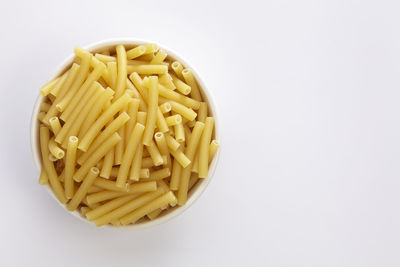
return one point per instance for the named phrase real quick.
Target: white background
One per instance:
(308, 95)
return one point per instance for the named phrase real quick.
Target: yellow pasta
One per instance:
(150, 49)
(190, 153)
(184, 111)
(159, 57)
(120, 147)
(144, 173)
(166, 80)
(174, 96)
(154, 214)
(202, 112)
(127, 207)
(175, 175)
(195, 165)
(133, 108)
(180, 157)
(163, 148)
(204, 147)
(66, 129)
(109, 206)
(130, 151)
(108, 163)
(94, 189)
(136, 52)
(213, 150)
(165, 108)
(154, 153)
(55, 150)
(142, 103)
(140, 118)
(56, 88)
(147, 69)
(167, 198)
(83, 188)
(179, 132)
(109, 185)
(107, 132)
(55, 125)
(152, 106)
(171, 142)
(121, 71)
(189, 79)
(161, 123)
(159, 174)
(82, 92)
(136, 164)
(70, 166)
(48, 165)
(105, 58)
(79, 79)
(63, 91)
(177, 68)
(102, 120)
(181, 86)
(95, 112)
(45, 90)
(112, 74)
(43, 178)
(96, 156)
(174, 120)
(44, 106)
(103, 196)
(138, 83)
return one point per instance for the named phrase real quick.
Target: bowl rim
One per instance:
(199, 188)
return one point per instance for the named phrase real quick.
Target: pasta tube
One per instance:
(204, 147)
(190, 153)
(177, 68)
(130, 151)
(151, 111)
(55, 125)
(107, 132)
(189, 79)
(55, 150)
(128, 207)
(48, 165)
(83, 188)
(96, 156)
(136, 52)
(102, 120)
(70, 166)
(167, 198)
(121, 71)
(147, 69)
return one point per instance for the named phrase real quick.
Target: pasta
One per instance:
(181, 86)
(55, 125)
(190, 153)
(130, 150)
(151, 111)
(204, 147)
(174, 120)
(83, 188)
(96, 156)
(70, 166)
(124, 134)
(55, 150)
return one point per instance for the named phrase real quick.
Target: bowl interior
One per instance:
(197, 189)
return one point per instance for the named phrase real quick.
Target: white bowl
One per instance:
(200, 186)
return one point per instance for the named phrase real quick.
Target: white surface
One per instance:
(308, 94)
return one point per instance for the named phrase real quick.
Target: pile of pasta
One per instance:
(125, 134)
